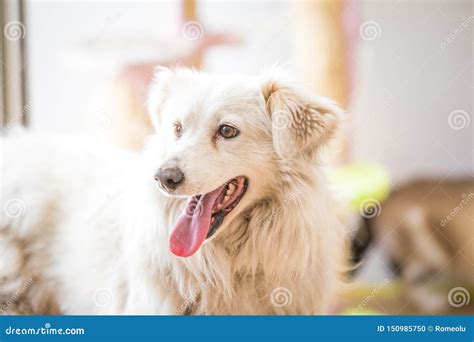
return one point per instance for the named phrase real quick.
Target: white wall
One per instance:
(74, 46)
(408, 82)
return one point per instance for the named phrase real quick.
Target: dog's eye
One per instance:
(228, 132)
(178, 129)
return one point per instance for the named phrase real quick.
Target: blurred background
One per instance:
(402, 166)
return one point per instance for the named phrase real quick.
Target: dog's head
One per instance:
(218, 141)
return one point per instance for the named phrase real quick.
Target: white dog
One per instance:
(225, 213)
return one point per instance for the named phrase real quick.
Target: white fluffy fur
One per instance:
(94, 233)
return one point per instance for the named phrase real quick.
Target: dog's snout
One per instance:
(169, 177)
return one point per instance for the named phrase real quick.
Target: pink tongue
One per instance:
(193, 225)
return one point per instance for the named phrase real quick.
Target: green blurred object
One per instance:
(358, 182)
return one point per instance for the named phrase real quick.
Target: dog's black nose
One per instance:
(169, 177)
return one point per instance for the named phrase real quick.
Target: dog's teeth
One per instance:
(231, 189)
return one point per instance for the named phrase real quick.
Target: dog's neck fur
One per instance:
(242, 269)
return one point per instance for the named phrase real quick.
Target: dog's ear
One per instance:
(158, 92)
(301, 122)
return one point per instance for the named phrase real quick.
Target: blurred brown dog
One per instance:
(427, 227)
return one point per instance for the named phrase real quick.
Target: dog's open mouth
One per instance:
(203, 216)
